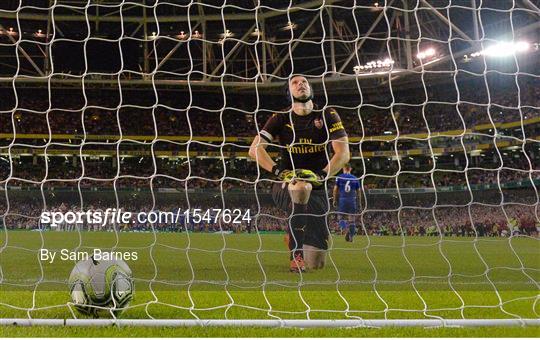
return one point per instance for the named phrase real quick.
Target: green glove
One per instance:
(302, 175)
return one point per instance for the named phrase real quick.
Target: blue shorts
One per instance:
(347, 207)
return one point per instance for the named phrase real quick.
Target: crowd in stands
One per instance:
(472, 219)
(237, 118)
(231, 123)
(143, 174)
(241, 174)
(479, 221)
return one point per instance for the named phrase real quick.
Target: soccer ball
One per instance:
(99, 288)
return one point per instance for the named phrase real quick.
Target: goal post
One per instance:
(274, 323)
(116, 108)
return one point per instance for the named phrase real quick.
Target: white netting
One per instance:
(153, 106)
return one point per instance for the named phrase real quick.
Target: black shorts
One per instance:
(316, 231)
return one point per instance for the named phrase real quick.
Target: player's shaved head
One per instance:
(300, 89)
(301, 77)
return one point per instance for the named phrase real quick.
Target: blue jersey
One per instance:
(347, 184)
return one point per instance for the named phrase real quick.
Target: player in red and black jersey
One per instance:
(304, 133)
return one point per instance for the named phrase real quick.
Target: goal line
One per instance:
(274, 323)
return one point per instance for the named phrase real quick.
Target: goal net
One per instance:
(150, 108)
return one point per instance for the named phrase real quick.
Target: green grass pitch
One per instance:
(241, 276)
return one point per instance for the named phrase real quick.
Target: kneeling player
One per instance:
(346, 191)
(303, 132)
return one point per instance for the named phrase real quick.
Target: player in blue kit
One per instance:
(346, 197)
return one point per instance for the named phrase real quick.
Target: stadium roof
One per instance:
(210, 44)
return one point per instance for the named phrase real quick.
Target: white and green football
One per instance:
(101, 288)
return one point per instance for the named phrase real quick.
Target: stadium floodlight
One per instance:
(182, 35)
(256, 33)
(196, 35)
(376, 7)
(430, 52)
(375, 65)
(505, 49)
(39, 34)
(388, 62)
(290, 26)
(10, 31)
(226, 34)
